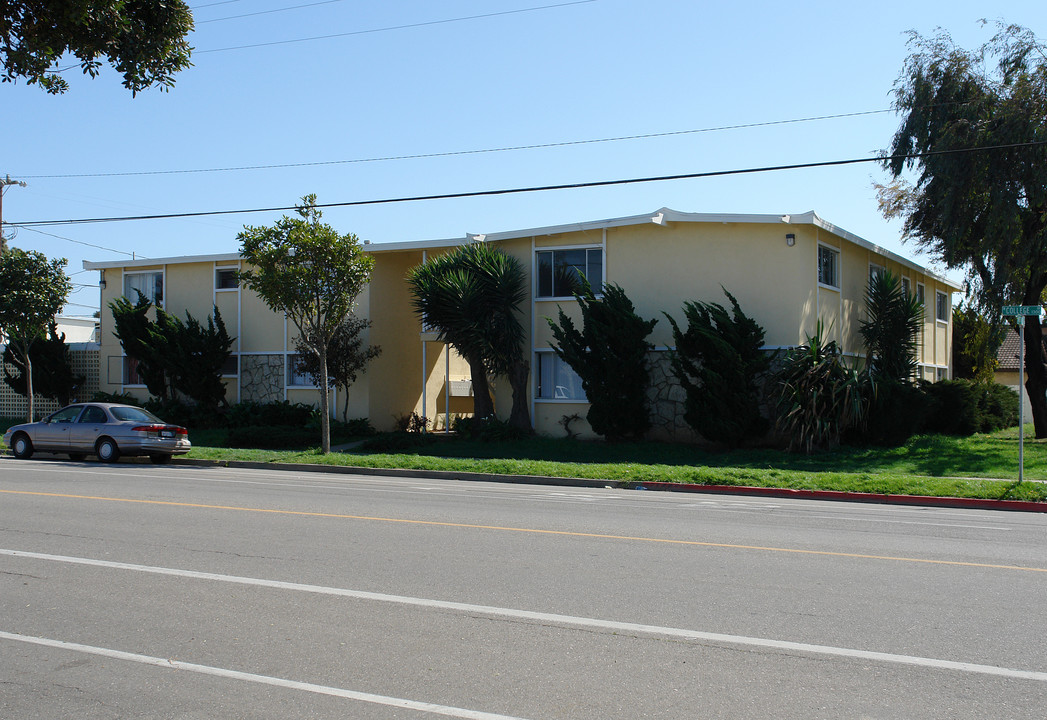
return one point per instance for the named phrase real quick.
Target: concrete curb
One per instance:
(832, 495)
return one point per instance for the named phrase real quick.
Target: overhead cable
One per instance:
(537, 188)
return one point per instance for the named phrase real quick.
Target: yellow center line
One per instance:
(535, 531)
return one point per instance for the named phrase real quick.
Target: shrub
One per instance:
(395, 442)
(719, 360)
(488, 429)
(412, 422)
(269, 414)
(124, 398)
(999, 406)
(954, 408)
(897, 412)
(271, 437)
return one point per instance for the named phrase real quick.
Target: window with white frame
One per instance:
(921, 296)
(941, 306)
(296, 375)
(226, 279)
(131, 376)
(828, 266)
(559, 272)
(876, 271)
(556, 380)
(150, 284)
(906, 287)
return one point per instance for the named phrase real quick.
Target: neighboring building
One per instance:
(1007, 369)
(787, 272)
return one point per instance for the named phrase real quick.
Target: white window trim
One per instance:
(948, 307)
(551, 401)
(876, 266)
(217, 289)
(544, 248)
(163, 282)
(836, 267)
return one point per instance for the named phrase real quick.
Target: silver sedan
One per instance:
(107, 430)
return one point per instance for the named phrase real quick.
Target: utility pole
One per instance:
(4, 182)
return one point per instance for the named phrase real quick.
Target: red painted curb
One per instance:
(972, 503)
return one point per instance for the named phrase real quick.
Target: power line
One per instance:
(78, 242)
(540, 188)
(453, 153)
(268, 12)
(394, 27)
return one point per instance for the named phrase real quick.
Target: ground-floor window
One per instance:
(556, 380)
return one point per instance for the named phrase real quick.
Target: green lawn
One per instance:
(981, 466)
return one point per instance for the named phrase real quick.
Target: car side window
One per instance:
(66, 415)
(93, 414)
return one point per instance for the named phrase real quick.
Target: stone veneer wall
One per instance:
(666, 398)
(262, 378)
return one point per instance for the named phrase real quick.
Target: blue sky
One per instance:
(406, 78)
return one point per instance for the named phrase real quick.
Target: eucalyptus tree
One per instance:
(312, 274)
(974, 134)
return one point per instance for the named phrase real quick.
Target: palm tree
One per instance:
(471, 296)
(891, 329)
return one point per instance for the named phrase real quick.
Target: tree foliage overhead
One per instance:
(975, 344)
(173, 356)
(890, 329)
(471, 296)
(983, 210)
(719, 359)
(53, 375)
(609, 354)
(144, 40)
(33, 290)
(346, 356)
(309, 272)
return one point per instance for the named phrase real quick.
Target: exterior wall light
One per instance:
(790, 239)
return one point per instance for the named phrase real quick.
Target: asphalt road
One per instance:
(137, 591)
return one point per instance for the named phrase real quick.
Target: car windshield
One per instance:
(134, 414)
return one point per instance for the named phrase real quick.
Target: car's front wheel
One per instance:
(22, 446)
(107, 450)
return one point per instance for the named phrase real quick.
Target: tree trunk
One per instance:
(325, 414)
(28, 364)
(1036, 372)
(483, 406)
(520, 416)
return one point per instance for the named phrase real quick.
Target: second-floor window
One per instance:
(150, 284)
(226, 279)
(560, 271)
(941, 306)
(828, 266)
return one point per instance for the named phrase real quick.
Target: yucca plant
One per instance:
(891, 328)
(820, 396)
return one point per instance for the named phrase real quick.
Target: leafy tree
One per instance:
(975, 343)
(53, 375)
(346, 356)
(609, 354)
(32, 291)
(306, 270)
(820, 397)
(891, 328)
(974, 130)
(718, 361)
(144, 40)
(472, 297)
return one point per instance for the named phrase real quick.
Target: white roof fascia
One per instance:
(148, 262)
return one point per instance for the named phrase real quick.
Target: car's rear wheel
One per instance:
(77, 457)
(22, 446)
(160, 459)
(107, 450)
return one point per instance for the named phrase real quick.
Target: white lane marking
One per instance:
(568, 620)
(263, 679)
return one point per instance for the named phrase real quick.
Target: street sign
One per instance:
(1023, 310)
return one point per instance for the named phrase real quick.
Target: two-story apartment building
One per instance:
(787, 272)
